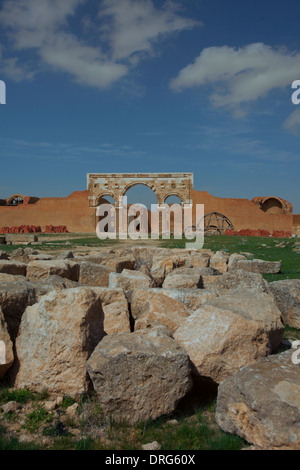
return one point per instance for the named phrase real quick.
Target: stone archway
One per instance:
(162, 184)
(117, 184)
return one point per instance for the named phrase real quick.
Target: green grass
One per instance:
(37, 418)
(22, 396)
(254, 248)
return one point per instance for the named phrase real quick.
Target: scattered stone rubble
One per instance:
(144, 326)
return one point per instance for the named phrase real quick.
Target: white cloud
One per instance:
(125, 28)
(87, 64)
(292, 123)
(136, 25)
(246, 74)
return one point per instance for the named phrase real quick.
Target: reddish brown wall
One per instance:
(296, 224)
(243, 213)
(72, 211)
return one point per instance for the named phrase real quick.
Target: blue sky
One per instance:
(150, 86)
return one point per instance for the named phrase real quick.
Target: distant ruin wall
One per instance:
(75, 213)
(243, 214)
(72, 211)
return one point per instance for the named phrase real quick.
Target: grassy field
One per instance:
(192, 427)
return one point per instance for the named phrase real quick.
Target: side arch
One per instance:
(15, 200)
(173, 193)
(216, 224)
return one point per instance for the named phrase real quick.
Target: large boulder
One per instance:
(127, 261)
(260, 309)
(94, 274)
(183, 278)
(258, 266)
(161, 309)
(13, 267)
(139, 377)
(191, 298)
(287, 296)
(6, 347)
(220, 339)
(219, 261)
(188, 300)
(233, 259)
(41, 269)
(14, 298)
(57, 336)
(115, 309)
(129, 280)
(233, 280)
(261, 403)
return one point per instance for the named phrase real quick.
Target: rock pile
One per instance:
(141, 326)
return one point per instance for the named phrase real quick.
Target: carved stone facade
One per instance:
(117, 184)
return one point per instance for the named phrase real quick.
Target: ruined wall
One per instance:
(76, 214)
(243, 213)
(296, 224)
(72, 211)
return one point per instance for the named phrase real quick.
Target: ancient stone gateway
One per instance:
(115, 185)
(162, 184)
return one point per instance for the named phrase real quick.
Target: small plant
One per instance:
(22, 395)
(37, 418)
(67, 401)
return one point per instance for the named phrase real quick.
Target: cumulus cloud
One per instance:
(125, 29)
(246, 74)
(136, 25)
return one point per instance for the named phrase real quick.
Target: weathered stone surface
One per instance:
(93, 274)
(14, 298)
(39, 257)
(259, 266)
(234, 280)
(11, 407)
(128, 280)
(11, 278)
(261, 403)
(260, 308)
(68, 254)
(3, 255)
(220, 341)
(119, 263)
(198, 260)
(19, 238)
(41, 269)
(115, 308)
(151, 446)
(219, 261)
(233, 259)
(183, 278)
(6, 347)
(139, 377)
(13, 267)
(57, 335)
(192, 298)
(161, 309)
(287, 296)
(23, 254)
